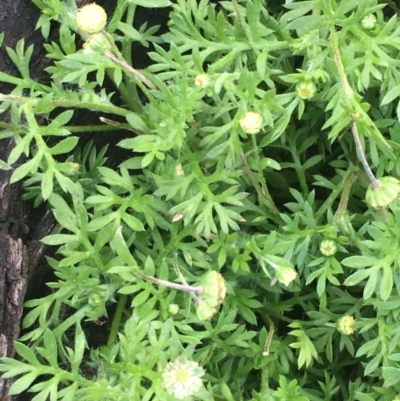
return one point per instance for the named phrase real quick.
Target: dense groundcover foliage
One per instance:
(248, 247)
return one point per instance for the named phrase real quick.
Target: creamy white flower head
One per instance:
(202, 80)
(91, 18)
(251, 122)
(182, 378)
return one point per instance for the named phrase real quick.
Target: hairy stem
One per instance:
(117, 320)
(350, 95)
(70, 104)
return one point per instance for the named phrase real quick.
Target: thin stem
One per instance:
(341, 211)
(344, 190)
(133, 103)
(129, 68)
(243, 22)
(363, 159)
(270, 336)
(339, 64)
(350, 97)
(265, 196)
(169, 284)
(180, 275)
(117, 320)
(259, 171)
(70, 104)
(117, 125)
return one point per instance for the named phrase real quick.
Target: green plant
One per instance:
(263, 129)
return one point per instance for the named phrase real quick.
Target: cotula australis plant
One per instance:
(249, 244)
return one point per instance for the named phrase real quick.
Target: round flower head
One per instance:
(343, 325)
(173, 309)
(202, 80)
(306, 89)
(285, 274)
(96, 43)
(251, 122)
(91, 18)
(368, 22)
(214, 291)
(328, 247)
(182, 378)
(386, 193)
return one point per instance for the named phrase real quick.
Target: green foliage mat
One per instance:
(249, 247)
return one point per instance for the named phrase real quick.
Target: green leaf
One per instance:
(359, 261)
(391, 95)
(23, 383)
(47, 183)
(386, 285)
(133, 223)
(29, 167)
(59, 239)
(65, 146)
(26, 353)
(51, 348)
(391, 376)
(137, 123)
(356, 277)
(152, 3)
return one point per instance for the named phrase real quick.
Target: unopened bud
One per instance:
(306, 89)
(368, 22)
(328, 247)
(202, 80)
(386, 193)
(251, 122)
(343, 325)
(285, 275)
(91, 18)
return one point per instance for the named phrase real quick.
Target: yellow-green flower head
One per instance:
(182, 378)
(328, 247)
(91, 18)
(173, 309)
(368, 22)
(306, 89)
(344, 323)
(96, 43)
(202, 80)
(214, 291)
(285, 274)
(214, 288)
(204, 311)
(386, 193)
(251, 122)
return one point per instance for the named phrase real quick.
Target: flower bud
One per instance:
(285, 274)
(96, 43)
(306, 89)
(91, 18)
(173, 309)
(251, 122)
(214, 288)
(214, 291)
(369, 22)
(95, 300)
(386, 193)
(205, 311)
(328, 247)
(343, 325)
(202, 80)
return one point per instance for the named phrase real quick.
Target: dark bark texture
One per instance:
(21, 225)
(20, 250)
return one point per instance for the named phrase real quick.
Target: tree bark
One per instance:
(20, 246)
(19, 251)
